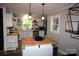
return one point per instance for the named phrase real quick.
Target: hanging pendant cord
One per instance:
(43, 9)
(29, 8)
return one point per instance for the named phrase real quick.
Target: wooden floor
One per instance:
(10, 53)
(17, 52)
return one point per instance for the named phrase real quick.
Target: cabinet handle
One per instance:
(24, 47)
(38, 46)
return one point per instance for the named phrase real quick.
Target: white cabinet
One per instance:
(9, 17)
(12, 42)
(43, 50)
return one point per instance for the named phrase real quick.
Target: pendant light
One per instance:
(43, 16)
(30, 14)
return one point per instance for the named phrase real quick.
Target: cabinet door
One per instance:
(9, 20)
(44, 50)
(12, 39)
(12, 42)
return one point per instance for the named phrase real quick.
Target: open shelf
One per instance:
(72, 23)
(75, 27)
(73, 32)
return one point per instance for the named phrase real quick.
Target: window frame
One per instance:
(52, 24)
(25, 29)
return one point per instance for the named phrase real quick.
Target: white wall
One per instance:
(63, 37)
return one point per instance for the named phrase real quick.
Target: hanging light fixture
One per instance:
(43, 16)
(30, 14)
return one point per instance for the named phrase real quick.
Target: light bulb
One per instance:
(43, 17)
(30, 17)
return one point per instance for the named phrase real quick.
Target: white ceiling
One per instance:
(36, 8)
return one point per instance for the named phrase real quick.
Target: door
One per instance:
(1, 30)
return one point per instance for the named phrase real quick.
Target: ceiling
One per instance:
(36, 8)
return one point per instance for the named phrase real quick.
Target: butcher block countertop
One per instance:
(30, 41)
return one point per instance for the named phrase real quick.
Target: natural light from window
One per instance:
(26, 24)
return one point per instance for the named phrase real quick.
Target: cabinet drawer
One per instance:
(12, 44)
(12, 39)
(11, 48)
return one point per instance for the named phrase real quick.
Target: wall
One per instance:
(63, 37)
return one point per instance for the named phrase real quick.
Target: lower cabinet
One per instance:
(42, 50)
(12, 42)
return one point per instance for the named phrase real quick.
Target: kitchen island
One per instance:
(30, 47)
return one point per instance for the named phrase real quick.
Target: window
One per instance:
(55, 23)
(26, 24)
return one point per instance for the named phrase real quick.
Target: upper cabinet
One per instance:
(9, 17)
